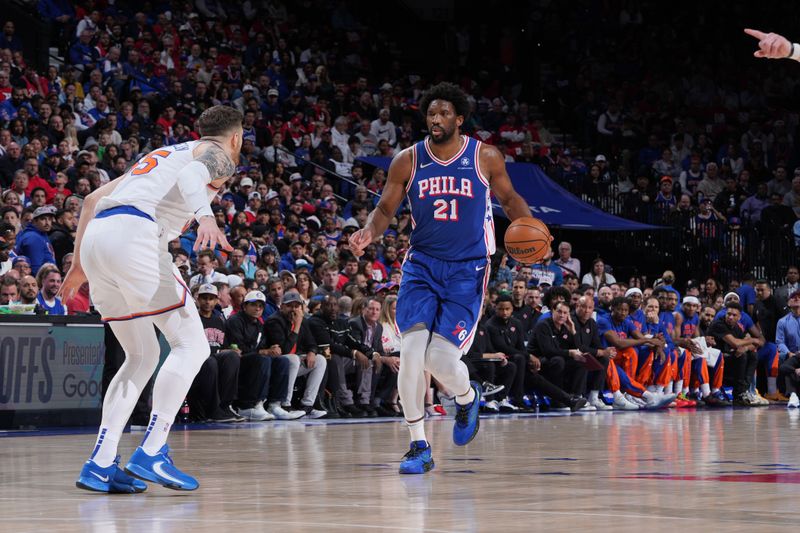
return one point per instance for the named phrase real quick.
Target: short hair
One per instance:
(217, 121)
(449, 92)
(521, 279)
(555, 307)
(273, 280)
(550, 295)
(733, 305)
(7, 281)
(762, 282)
(619, 300)
(206, 253)
(504, 298)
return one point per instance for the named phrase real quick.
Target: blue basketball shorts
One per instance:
(445, 296)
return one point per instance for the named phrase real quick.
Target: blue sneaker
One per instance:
(159, 469)
(467, 421)
(418, 460)
(111, 479)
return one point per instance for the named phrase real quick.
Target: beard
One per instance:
(446, 136)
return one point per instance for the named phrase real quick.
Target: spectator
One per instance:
(289, 330)
(28, 290)
(367, 330)
(33, 242)
(49, 279)
(386, 394)
(751, 208)
(587, 340)
(547, 272)
(568, 264)
(383, 128)
(61, 234)
(712, 184)
(263, 373)
(206, 271)
(347, 357)
(791, 286)
(9, 291)
(214, 388)
(598, 275)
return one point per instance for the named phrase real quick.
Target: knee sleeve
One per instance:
(411, 378)
(444, 363)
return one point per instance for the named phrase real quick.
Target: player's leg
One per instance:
(416, 309)
(100, 473)
(189, 348)
(769, 358)
(614, 382)
(463, 287)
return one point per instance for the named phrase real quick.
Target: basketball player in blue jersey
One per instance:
(448, 179)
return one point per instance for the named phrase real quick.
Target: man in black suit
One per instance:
(334, 339)
(588, 341)
(367, 330)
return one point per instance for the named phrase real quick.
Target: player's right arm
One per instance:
(774, 46)
(392, 196)
(212, 165)
(76, 277)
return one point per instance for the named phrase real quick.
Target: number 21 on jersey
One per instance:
(444, 210)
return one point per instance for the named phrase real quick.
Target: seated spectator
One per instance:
(547, 272)
(739, 351)
(387, 393)
(49, 279)
(568, 264)
(61, 234)
(587, 340)
(9, 291)
(522, 311)
(347, 357)
(288, 329)
(562, 363)
(598, 275)
(788, 339)
(367, 330)
(488, 367)
(32, 241)
(263, 373)
(213, 391)
(275, 290)
(28, 290)
(206, 272)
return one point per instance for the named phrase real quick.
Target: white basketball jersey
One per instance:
(152, 187)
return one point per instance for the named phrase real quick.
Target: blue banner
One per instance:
(549, 201)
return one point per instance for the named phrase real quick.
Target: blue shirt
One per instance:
(747, 295)
(787, 336)
(451, 210)
(35, 245)
(56, 309)
(623, 330)
(550, 274)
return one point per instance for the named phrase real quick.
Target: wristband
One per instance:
(795, 52)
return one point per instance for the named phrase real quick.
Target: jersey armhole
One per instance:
(413, 168)
(481, 177)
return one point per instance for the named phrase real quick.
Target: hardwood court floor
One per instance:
(727, 470)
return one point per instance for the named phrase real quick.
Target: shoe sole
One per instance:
(426, 467)
(103, 488)
(144, 475)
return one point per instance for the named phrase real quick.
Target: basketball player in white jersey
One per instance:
(121, 250)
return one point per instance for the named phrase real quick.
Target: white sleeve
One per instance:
(192, 182)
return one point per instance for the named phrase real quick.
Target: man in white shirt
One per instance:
(383, 128)
(568, 264)
(205, 267)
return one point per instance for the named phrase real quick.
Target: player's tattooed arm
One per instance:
(217, 162)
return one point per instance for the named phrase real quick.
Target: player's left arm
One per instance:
(493, 166)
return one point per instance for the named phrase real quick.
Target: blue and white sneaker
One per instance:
(467, 420)
(418, 460)
(111, 479)
(159, 469)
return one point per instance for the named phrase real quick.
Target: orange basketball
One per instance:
(527, 240)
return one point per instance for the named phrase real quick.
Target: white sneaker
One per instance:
(257, 413)
(505, 405)
(282, 414)
(794, 401)
(622, 403)
(600, 405)
(635, 400)
(492, 406)
(588, 407)
(660, 400)
(316, 413)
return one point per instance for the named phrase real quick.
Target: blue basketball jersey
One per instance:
(451, 208)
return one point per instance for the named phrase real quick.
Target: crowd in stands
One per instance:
(554, 335)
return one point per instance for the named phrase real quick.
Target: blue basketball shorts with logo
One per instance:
(445, 296)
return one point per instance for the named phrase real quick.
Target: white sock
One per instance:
(678, 386)
(772, 385)
(685, 390)
(713, 390)
(705, 389)
(417, 430)
(157, 433)
(618, 395)
(593, 396)
(667, 388)
(105, 449)
(467, 398)
(648, 396)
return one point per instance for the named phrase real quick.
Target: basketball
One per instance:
(527, 240)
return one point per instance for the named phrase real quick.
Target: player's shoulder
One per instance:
(488, 152)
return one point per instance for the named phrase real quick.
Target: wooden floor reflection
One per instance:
(732, 470)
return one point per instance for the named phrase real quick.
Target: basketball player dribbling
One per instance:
(121, 250)
(448, 179)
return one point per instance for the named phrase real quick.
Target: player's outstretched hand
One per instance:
(72, 282)
(360, 240)
(770, 45)
(209, 235)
